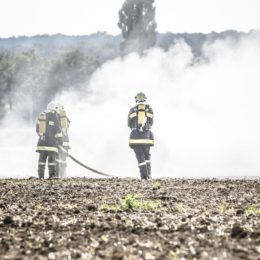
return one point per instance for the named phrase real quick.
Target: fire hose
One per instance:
(84, 165)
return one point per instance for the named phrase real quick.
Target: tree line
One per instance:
(34, 69)
(29, 80)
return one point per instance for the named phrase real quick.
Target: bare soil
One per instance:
(83, 218)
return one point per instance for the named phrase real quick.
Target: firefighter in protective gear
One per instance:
(62, 159)
(140, 120)
(50, 136)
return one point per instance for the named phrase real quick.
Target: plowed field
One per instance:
(82, 218)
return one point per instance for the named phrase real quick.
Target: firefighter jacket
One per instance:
(49, 131)
(140, 120)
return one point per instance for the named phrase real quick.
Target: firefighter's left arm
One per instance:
(37, 127)
(130, 117)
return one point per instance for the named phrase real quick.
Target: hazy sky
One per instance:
(77, 17)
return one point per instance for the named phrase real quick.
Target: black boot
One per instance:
(52, 170)
(143, 172)
(148, 166)
(41, 169)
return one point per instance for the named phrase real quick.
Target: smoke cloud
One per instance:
(206, 115)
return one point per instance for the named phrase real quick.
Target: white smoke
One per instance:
(206, 114)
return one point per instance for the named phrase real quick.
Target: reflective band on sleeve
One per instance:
(46, 148)
(42, 163)
(132, 115)
(65, 144)
(51, 123)
(141, 141)
(52, 164)
(58, 135)
(141, 164)
(147, 161)
(149, 115)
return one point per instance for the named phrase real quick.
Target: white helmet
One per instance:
(53, 106)
(61, 106)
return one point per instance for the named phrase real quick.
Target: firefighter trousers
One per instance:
(52, 164)
(143, 156)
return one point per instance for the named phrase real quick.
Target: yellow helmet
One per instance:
(140, 97)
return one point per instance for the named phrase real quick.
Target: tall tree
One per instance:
(138, 25)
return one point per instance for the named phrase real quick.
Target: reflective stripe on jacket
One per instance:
(47, 148)
(141, 138)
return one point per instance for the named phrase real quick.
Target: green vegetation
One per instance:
(181, 208)
(253, 209)
(136, 202)
(110, 207)
(225, 209)
(104, 238)
(133, 202)
(173, 255)
(157, 185)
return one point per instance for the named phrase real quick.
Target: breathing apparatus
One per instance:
(42, 124)
(141, 112)
(63, 118)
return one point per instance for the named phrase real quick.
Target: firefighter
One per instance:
(140, 120)
(64, 124)
(50, 136)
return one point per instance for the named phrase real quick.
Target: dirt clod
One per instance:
(8, 220)
(238, 232)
